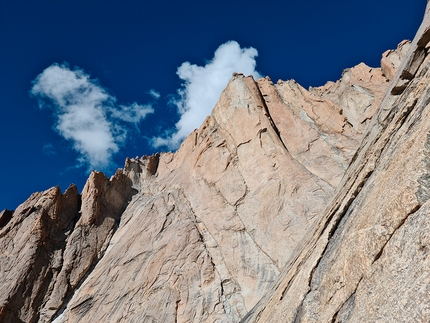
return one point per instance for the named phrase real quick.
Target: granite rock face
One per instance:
(247, 220)
(367, 259)
(51, 242)
(212, 227)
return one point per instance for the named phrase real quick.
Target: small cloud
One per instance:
(154, 94)
(49, 150)
(202, 86)
(86, 114)
(133, 113)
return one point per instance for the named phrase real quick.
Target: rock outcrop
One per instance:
(236, 198)
(52, 241)
(367, 259)
(273, 210)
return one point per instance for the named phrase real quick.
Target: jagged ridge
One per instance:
(202, 234)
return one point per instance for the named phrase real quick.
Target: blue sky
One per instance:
(75, 71)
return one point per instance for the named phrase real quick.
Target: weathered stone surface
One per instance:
(322, 127)
(368, 258)
(103, 201)
(51, 242)
(240, 186)
(166, 273)
(31, 244)
(392, 59)
(247, 205)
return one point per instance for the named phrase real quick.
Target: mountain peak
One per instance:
(287, 204)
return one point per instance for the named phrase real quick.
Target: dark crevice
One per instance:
(269, 117)
(299, 313)
(176, 310)
(284, 291)
(345, 309)
(333, 319)
(412, 67)
(414, 210)
(425, 38)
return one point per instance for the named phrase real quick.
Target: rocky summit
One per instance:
(286, 205)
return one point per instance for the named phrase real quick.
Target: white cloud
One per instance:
(87, 115)
(154, 94)
(133, 113)
(48, 149)
(203, 85)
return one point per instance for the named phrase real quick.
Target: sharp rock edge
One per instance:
(286, 205)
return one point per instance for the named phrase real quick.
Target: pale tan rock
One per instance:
(237, 186)
(322, 127)
(202, 234)
(368, 258)
(47, 247)
(357, 94)
(31, 244)
(103, 201)
(165, 273)
(391, 59)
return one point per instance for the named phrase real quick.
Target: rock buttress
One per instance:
(212, 227)
(368, 257)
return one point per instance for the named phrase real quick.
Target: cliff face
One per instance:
(367, 259)
(52, 240)
(271, 211)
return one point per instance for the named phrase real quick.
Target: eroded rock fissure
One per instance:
(267, 113)
(402, 222)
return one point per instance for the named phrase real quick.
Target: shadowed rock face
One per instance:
(51, 242)
(201, 235)
(5, 217)
(31, 247)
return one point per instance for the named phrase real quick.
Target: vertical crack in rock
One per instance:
(269, 117)
(402, 222)
(212, 248)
